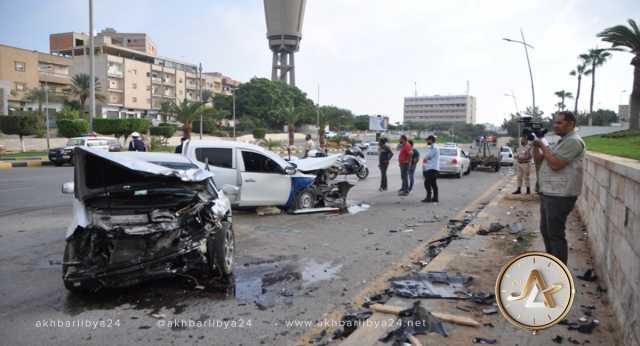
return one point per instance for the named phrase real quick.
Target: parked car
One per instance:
(372, 148)
(453, 160)
(153, 215)
(506, 155)
(60, 156)
(250, 175)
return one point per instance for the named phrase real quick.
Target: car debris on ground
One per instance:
(432, 285)
(415, 320)
(588, 275)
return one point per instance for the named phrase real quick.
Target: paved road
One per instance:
(295, 267)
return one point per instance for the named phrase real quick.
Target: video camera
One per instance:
(533, 129)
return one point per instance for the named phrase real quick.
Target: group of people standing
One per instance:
(408, 160)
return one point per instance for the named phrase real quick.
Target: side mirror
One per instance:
(230, 190)
(290, 170)
(68, 187)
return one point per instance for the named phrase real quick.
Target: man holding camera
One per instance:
(560, 180)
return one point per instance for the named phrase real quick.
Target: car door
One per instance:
(264, 181)
(465, 161)
(221, 163)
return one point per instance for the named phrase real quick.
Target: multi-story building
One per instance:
(133, 80)
(440, 109)
(22, 70)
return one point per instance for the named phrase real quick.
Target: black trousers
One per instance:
(553, 217)
(383, 175)
(431, 183)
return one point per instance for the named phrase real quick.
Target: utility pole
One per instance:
(92, 72)
(318, 108)
(46, 111)
(233, 97)
(526, 52)
(201, 100)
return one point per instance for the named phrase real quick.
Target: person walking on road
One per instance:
(179, 146)
(404, 159)
(384, 157)
(308, 145)
(415, 158)
(430, 170)
(523, 156)
(560, 181)
(136, 143)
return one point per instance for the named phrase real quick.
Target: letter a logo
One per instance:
(534, 286)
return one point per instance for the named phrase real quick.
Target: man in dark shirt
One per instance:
(415, 158)
(179, 147)
(384, 157)
(136, 143)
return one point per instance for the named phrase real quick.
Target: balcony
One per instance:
(115, 98)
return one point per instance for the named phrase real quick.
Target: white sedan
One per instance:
(454, 160)
(507, 156)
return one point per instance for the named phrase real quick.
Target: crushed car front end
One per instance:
(137, 220)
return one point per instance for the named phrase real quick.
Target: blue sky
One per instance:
(367, 54)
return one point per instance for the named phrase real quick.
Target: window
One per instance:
(134, 72)
(258, 163)
(148, 87)
(20, 66)
(134, 99)
(20, 86)
(134, 86)
(219, 157)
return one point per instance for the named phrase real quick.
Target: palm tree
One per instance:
(186, 112)
(81, 88)
(292, 117)
(628, 37)
(580, 70)
(562, 94)
(595, 57)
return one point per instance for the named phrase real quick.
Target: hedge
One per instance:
(208, 126)
(72, 128)
(121, 127)
(21, 125)
(259, 133)
(165, 132)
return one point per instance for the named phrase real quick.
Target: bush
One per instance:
(163, 131)
(21, 125)
(68, 113)
(72, 128)
(208, 126)
(259, 133)
(121, 127)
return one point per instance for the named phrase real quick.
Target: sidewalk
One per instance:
(482, 256)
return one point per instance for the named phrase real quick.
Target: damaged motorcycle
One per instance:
(139, 216)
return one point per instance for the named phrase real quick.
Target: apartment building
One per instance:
(440, 109)
(22, 70)
(134, 81)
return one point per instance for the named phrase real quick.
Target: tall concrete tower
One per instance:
(284, 32)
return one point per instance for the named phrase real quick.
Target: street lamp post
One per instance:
(526, 52)
(46, 112)
(233, 97)
(92, 73)
(515, 103)
(201, 100)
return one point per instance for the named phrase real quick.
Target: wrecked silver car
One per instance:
(139, 216)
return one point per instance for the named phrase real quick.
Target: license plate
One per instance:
(66, 156)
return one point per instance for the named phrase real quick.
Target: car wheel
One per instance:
(468, 171)
(57, 163)
(332, 173)
(221, 248)
(363, 173)
(74, 286)
(497, 167)
(305, 199)
(459, 174)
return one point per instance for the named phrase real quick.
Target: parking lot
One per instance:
(288, 267)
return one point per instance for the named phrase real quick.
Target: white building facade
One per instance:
(440, 109)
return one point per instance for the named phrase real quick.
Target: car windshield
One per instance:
(505, 150)
(75, 142)
(448, 152)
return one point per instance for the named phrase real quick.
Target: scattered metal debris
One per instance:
(482, 340)
(350, 321)
(378, 298)
(415, 320)
(558, 339)
(588, 275)
(354, 209)
(490, 311)
(432, 285)
(494, 227)
(516, 228)
(483, 298)
(263, 211)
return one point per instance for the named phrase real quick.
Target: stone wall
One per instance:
(610, 207)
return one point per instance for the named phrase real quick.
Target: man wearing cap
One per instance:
(136, 143)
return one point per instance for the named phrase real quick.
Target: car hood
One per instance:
(315, 163)
(98, 170)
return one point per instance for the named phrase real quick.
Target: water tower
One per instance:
(284, 32)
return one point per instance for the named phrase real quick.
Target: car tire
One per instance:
(332, 173)
(459, 174)
(497, 168)
(363, 173)
(221, 250)
(468, 170)
(57, 164)
(305, 199)
(85, 286)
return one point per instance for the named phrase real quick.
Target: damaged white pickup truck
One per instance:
(139, 216)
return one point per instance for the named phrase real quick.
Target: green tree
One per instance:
(186, 112)
(361, 122)
(562, 94)
(292, 116)
(627, 39)
(604, 117)
(164, 131)
(68, 113)
(580, 71)
(419, 126)
(595, 57)
(81, 88)
(70, 128)
(22, 125)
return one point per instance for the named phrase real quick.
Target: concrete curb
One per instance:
(29, 163)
